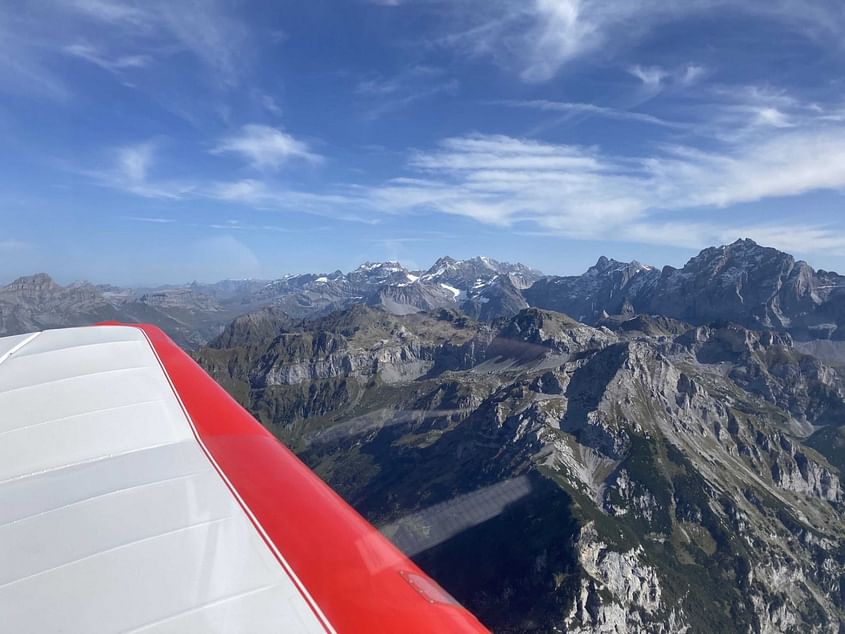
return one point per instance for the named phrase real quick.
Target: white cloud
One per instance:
(538, 37)
(416, 83)
(786, 163)
(570, 190)
(574, 108)
(153, 220)
(564, 34)
(97, 57)
(134, 162)
(266, 147)
(501, 180)
(656, 79)
(129, 170)
(348, 203)
(652, 77)
(692, 73)
(738, 112)
(270, 104)
(581, 192)
(124, 35)
(204, 28)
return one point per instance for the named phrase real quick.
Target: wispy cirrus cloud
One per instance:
(583, 192)
(24, 61)
(576, 108)
(130, 169)
(537, 38)
(260, 193)
(652, 77)
(129, 36)
(135, 169)
(205, 29)
(265, 147)
(153, 220)
(99, 58)
(385, 94)
(342, 202)
(672, 193)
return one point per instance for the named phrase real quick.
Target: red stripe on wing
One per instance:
(358, 579)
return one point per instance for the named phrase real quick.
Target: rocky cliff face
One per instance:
(556, 476)
(607, 288)
(743, 283)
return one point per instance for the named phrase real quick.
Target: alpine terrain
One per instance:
(664, 458)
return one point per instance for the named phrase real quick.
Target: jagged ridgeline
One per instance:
(631, 449)
(743, 283)
(195, 313)
(639, 474)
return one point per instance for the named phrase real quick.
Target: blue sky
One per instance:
(150, 142)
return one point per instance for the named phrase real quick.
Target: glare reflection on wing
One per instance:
(425, 529)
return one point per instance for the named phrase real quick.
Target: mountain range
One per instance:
(742, 283)
(194, 313)
(633, 449)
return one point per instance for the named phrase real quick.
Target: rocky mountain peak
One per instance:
(747, 242)
(742, 254)
(741, 282)
(603, 264)
(37, 282)
(442, 263)
(606, 265)
(388, 265)
(485, 261)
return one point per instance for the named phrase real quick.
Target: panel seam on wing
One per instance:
(181, 529)
(71, 378)
(23, 476)
(312, 603)
(93, 344)
(136, 487)
(198, 608)
(58, 419)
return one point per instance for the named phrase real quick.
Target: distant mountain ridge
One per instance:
(37, 302)
(742, 283)
(195, 313)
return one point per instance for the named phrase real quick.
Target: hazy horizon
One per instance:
(64, 280)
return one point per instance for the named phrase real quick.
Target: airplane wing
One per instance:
(136, 495)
